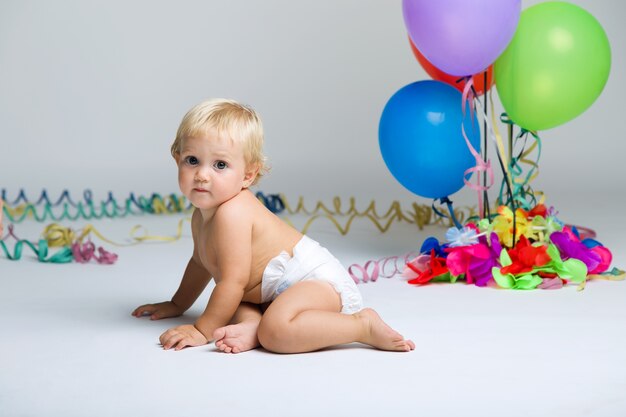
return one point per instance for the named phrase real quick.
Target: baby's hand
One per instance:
(182, 336)
(158, 311)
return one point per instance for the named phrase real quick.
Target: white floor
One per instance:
(69, 347)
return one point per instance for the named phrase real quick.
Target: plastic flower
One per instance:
(539, 210)
(553, 283)
(417, 265)
(525, 257)
(568, 270)
(436, 268)
(432, 243)
(542, 227)
(543, 274)
(475, 261)
(462, 237)
(518, 266)
(570, 246)
(525, 281)
(502, 225)
(606, 257)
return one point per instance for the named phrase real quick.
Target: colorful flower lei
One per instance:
(526, 250)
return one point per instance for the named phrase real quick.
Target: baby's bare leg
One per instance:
(241, 334)
(307, 317)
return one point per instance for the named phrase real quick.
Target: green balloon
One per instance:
(555, 66)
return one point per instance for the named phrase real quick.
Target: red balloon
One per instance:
(437, 74)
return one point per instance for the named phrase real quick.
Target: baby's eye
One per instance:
(191, 160)
(220, 165)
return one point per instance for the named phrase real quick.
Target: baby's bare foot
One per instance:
(380, 335)
(237, 338)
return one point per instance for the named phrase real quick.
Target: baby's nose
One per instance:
(202, 176)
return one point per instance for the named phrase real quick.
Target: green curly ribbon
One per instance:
(522, 193)
(62, 256)
(65, 208)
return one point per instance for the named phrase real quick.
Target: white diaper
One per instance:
(310, 261)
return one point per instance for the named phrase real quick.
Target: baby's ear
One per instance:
(250, 175)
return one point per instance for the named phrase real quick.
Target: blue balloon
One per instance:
(421, 140)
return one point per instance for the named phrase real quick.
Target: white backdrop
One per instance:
(91, 94)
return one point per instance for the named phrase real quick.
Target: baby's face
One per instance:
(211, 169)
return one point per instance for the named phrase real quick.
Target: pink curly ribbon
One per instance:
(481, 165)
(384, 267)
(85, 252)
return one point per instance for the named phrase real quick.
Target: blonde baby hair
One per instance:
(241, 122)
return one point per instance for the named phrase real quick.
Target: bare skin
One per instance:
(237, 338)
(242, 335)
(307, 317)
(235, 236)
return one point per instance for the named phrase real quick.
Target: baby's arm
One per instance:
(232, 231)
(195, 280)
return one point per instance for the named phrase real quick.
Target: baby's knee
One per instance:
(274, 335)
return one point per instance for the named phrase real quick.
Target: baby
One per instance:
(274, 287)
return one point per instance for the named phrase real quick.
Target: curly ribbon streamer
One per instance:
(72, 209)
(44, 208)
(482, 167)
(64, 255)
(522, 192)
(77, 251)
(71, 242)
(155, 205)
(273, 202)
(173, 202)
(386, 267)
(420, 215)
(1, 215)
(57, 235)
(614, 274)
(84, 252)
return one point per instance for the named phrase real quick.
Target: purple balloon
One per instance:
(461, 37)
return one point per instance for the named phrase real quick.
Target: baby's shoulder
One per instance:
(240, 208)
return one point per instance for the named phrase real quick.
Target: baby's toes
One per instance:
(219, 334)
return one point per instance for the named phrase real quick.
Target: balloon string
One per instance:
(448, 202)
(482, 166)
(496, 137)
(522, 192)
(487, 212)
